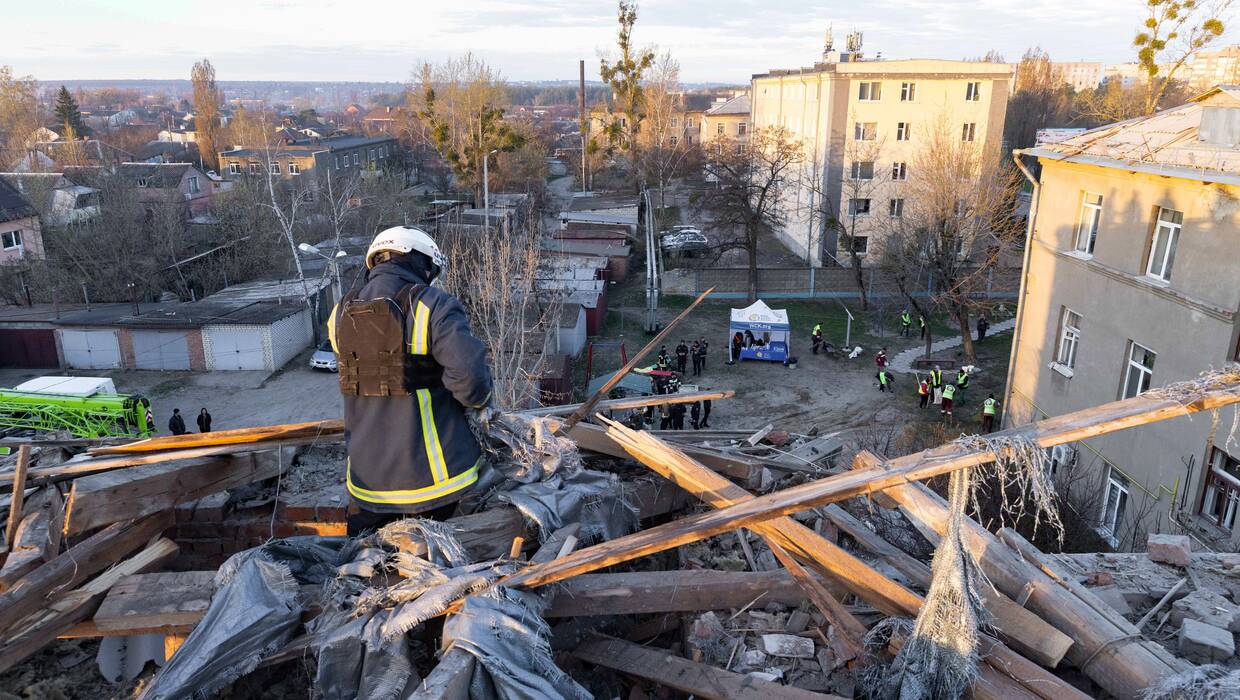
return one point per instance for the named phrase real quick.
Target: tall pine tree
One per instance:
(68, 116)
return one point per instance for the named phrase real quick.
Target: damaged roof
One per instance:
(13, 205)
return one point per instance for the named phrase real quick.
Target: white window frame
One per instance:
(895, 207)
(854, 210)
(870, 91)
(346, 160)
(254, 168)
(1230, 489)
(860, 131)
(1112, 516)
(904, 131)
(908, 91)
(1088, 221)
(274, 167)
(194, 187)
(1159, 266)
(357, 158)
(738, 149)
(741, 127)
(719, 129)
(858, 170)
(234, 168)
(969, 132)
(899, 171)
(16, 236)
(1144, 375)
(1069, 341)
(293, 168)
(973, 91)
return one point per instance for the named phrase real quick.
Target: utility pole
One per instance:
(583, 123)
(486, 188)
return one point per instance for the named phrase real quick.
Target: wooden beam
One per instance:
(19, 490)
(1030, 635)
(610, 384)
(29, 550)
(61, 613)
(109, 497)
(698, 680)
(76, 564)
(223, 438)
(640, 592)
(634, 402)
(170, 602)
(849, 632)
(595, 439)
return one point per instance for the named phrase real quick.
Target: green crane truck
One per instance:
(84, 406)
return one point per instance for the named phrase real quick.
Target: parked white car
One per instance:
(324, 358)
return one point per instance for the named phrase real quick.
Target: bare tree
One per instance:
(1039, 99)
(207, 125)
(1173, 32)
(748, 201)
(858, 206)
(19, 115)
(956, 225)
(664, 151)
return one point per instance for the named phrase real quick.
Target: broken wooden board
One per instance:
(449, 680)
(166, 602)
(633, 402)
(62, 612)
(28, 551)
(76, 564)
(699, 680)
(638, 592)
(18, 490)
(109, 497)
(595, 439)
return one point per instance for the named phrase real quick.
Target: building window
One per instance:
(1069, 338)
(675, 122)
(719, 129)
(969, 131)
(1114, 505)
(293, 169)
(1087, 227)
(357, 158)
(1166, 238)
(973, 92)
(11, 240)
(346, 162)
(895, 207)
(741, 128)
(904, 131)
(859, 206)
(144, 182)
(908, 92)
(193, 185)
(1139, 370)
(672, 140)
(1222, 496)
(863, 170)
(234, 168)
(865, 131)
(253, 168)
(370, 154)
(899, 171)
(738, 149)
(860, 244)
(273, 168)
(870, 91)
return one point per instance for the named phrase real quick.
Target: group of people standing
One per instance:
(176, 424)
(934, 387)
(684, 353)
(666, 380)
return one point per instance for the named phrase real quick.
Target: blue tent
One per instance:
(764, 331)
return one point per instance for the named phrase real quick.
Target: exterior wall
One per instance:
(32, 239)
(197, 357)
(125, 339)
(1081, 75)
(820, 107)
(288, 337)
(731, 125)
(1210, 68)
(1191, 325)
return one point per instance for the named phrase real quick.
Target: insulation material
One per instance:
(1210, 682)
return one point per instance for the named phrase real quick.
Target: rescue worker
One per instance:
(921, 321)
(884, 380)
(695, 415)
(880, 359)
(695, 353)
(706, 413)
(989, 407)
(949, 393)
(962, 380)
(923, 393)
(682, 356)
(703, 346)
(663, 363)
(678, 416)
(665, 417)
(409, 368)
(736, 347)
(906, 324)
(982, 326)
(816, 337)
(936, 383)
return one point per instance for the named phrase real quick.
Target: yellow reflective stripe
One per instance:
(331, 327)
(429, 493)
(430, 437)
(421, 321)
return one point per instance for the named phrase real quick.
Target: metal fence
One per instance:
(827, 283)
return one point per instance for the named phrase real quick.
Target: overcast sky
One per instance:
(715, 40)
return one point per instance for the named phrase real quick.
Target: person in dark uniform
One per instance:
(204, 421)
(695, 353)
(703, 346)
(682, 357)
(678, 416)
(176, 424)
(705, 413)
(695, 415)
(409, 368)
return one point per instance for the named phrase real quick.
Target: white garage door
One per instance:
(236, 347)
(91, 349)
(160, 349)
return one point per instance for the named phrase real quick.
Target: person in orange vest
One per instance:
(923, 393)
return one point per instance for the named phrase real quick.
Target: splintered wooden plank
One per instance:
(66, 609)
(165, 602)
(640, 592)
(108, 497)
(77, 564)
(449, 680)
(28, 550)
(699, 680)
(19, 492)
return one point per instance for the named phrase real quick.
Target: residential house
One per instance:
(178, 135)
(297, 156)
(59, 200)
(726, 124)
(882, 109)
(1081, 75)
(178, 185)
(1131, 283)
(382, 120)
(20, 234)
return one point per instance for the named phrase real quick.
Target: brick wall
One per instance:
(197, 358)
(125, 338)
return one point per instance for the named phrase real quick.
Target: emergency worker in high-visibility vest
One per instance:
(409, 369)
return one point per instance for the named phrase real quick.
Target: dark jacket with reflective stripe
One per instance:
(414, 453)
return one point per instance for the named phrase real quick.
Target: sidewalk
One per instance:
(904, 361)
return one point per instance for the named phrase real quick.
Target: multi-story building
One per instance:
(295, 156)
(843, 106)
(1219, 67)
(1132, 282)
(1081, 75)
(726, 123)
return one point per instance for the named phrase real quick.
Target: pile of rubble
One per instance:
(606, 562)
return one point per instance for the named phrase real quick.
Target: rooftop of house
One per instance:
(1199, 140)
(311, 144)
(183, 314)
(13, 205)
(157, 175)
(928, 67)
(739, 105)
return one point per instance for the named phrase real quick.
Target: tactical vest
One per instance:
(374, 345)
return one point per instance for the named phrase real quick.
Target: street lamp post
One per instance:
(486, 187)
(333, 261)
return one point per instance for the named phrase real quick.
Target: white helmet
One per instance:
(406, 239)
